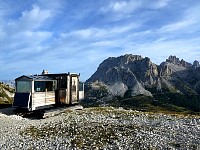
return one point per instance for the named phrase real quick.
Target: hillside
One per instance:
(173, 83)
(6, 93)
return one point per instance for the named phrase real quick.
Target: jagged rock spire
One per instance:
(176, 61)
(196, 64)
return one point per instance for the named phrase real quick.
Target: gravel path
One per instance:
(100, 128)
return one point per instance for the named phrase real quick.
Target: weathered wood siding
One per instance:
(40, 99)
(68, 90)
(63, 96)
(74, 89)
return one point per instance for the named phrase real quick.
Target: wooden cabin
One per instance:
(40, 91)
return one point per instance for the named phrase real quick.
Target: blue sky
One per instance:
(77, 35)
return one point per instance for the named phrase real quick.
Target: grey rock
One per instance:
(174, 60)
(117, 89)
(128, 72)
(196, 64)
(138, 75)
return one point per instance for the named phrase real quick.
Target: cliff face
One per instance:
(131, 72)
(139, 75)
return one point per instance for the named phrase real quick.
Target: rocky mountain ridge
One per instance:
(140, 75)
(174, 60)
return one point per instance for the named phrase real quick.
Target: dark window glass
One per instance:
(39, 86)
(63, 82)
(23, 86)
(81, 86)
(42, 86)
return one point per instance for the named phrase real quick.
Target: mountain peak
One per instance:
(176, 61)
(173, 81)
(126, 72)
(126, 58)
(196, 64)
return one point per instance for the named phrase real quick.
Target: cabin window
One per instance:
(23, 86)
(81, 86)
(42, 86)
(63, 82)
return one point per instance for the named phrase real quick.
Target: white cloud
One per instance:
(46, 33)
(124, 28)
(158, 51)
(23, 33)
(159, 4)
(102, 43)
(91, 33)
(35, 15)
(119, 6)
(190, 20)
(29, 20)
(88, 33)
(129, 6)
(176, 26)
(24, 41)
(123, 7)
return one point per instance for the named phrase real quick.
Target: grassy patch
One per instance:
(83, 134)
(160, 103)
(98, 127)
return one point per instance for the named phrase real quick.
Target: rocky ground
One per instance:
(100, 128)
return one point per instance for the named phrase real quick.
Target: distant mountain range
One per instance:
(132, 75)
(9, 82)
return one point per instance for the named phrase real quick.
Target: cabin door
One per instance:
(74, 89)
(61, 92)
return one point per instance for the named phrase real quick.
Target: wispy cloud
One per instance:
(190, 19)
(128, 6)
(29, 20)
(91, 33)
(125, 6)
(157, 4)
(77, 35)
(128, 9)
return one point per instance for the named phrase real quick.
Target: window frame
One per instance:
(44, 86)
(22, 87)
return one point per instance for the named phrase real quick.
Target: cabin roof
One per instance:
(35, 77)
(61, 74)
(45, 77)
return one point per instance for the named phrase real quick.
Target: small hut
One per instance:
(40, 91)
